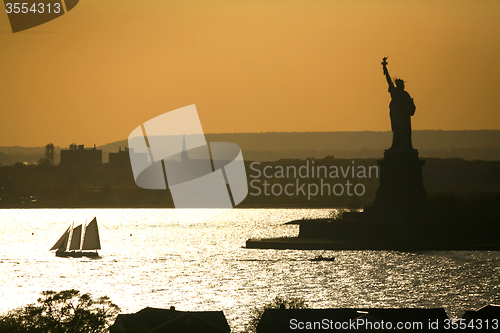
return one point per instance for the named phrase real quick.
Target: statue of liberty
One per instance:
(401, 109)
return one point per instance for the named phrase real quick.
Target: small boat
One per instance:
(321, 258)
(74, 244)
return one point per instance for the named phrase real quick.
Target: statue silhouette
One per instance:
(401, 109)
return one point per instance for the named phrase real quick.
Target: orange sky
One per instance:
(96, 73)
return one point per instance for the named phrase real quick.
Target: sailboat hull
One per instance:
(77, 254)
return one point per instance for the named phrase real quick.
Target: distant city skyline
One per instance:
(285, 66)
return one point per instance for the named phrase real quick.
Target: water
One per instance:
(195, 260)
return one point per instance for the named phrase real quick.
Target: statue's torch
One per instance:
(384, 64)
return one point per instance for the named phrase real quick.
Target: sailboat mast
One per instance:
(84, 231)
(70, 238)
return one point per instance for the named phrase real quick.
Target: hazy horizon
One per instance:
(89, 145)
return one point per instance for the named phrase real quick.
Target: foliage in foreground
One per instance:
(276, 303)
(61, 312)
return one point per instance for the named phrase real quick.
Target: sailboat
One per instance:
(73, 244)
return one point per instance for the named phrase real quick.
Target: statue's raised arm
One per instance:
(386, 72)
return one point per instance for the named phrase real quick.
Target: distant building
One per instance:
(123, 156)
(172, 321)
(79, 155)
(49, 153)
(486, 313)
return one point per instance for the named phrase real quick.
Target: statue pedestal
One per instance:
(401, 184)
(401, 218)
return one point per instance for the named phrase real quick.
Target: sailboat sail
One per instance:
(76, 238)
(91, 238)
(62, 242)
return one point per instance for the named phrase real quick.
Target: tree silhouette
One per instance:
(276, 303)
(61, 312)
